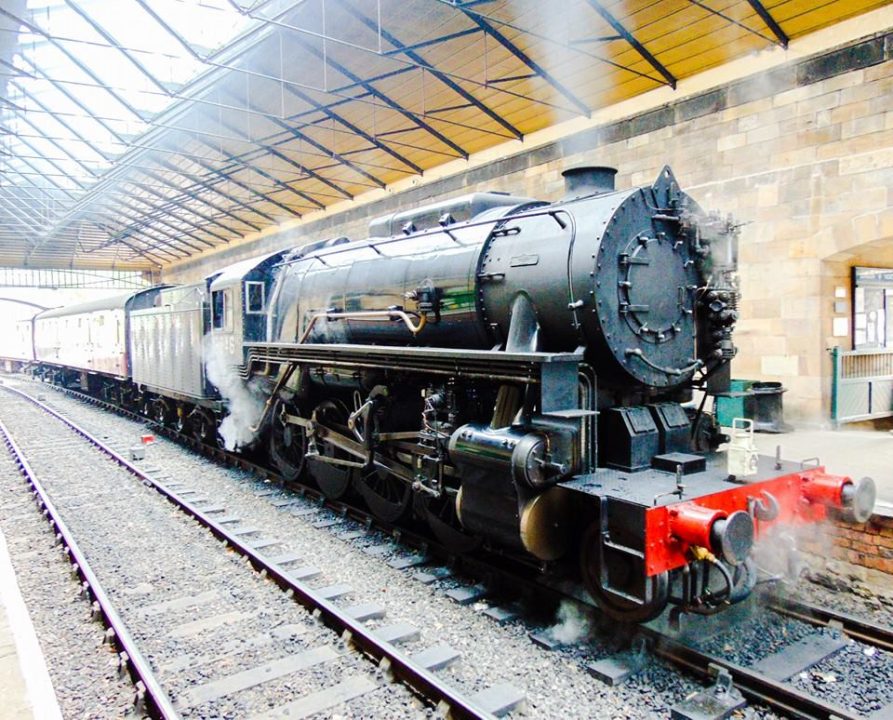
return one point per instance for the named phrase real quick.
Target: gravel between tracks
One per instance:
(81, 667)
(858, 677)
(145, 551)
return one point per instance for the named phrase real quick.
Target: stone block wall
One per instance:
(801, 155)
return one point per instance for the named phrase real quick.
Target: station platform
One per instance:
(853, 452)
(25, 686)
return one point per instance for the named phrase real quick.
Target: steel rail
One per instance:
(870, 633)
(148, 689)
(396, 662)
(751, 683)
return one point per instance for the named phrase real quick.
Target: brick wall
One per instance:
(802, 154)
(868, 546)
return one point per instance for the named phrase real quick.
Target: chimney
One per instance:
(588, 180)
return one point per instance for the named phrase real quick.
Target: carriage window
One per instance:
(254, 297)
(222, 309)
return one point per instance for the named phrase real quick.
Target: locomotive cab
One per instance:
(239, 302)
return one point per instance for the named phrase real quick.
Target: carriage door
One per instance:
(224, 350)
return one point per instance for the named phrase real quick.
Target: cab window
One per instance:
(222, 309)
(254, 297)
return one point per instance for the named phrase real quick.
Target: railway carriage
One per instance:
(174, 327)
(87, 343)
(22, 349)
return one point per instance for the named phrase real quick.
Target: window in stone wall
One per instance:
(872, 308)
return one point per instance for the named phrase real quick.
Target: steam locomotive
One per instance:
(516, 374)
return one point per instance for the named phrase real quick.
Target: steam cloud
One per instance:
(572, 625)
(245, 401)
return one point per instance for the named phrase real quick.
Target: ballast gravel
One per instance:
(81, 666)
(147, 553)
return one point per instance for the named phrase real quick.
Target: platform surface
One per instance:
(25, 686)
(845, 452)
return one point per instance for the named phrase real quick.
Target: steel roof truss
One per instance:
(304, 169)
(770, 21)
(581, 107)
(443, 77)
(619, 28)
(331, 114)
(93, 23)
(412, 117)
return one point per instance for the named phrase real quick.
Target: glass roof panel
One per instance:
(207, 24)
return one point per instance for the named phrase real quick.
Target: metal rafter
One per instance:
(38, 245)
(730, 19)
(294, 132)
(37, 172)
(618, 27)
(136, 113)
(74, 59)
(412, 117)
(770, 21)
(62, 171)
(128, 231)
(443, 77)
(303, 169)
(167, 166)
(238, 183)
(328, 152)
(351, 127)
(107, 36)
(172, 238)
(263, 173)
(28, 201)
(129, 211)
(550, 79)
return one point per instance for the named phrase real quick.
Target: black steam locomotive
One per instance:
(518, 374)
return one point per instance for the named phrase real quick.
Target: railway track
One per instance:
(149, 691)
(870, 633)
(753, 684)
(756, 686)
(387, 658)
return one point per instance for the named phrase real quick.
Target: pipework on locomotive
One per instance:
(516, 374)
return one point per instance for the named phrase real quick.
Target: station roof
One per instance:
(135, 133)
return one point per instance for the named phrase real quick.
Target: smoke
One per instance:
(778, 552)
(244, 401)
(573, 624)
(558, 38)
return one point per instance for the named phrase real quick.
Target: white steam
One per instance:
(572, 626)
(244, 401)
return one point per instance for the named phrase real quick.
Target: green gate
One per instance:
(861, 385)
